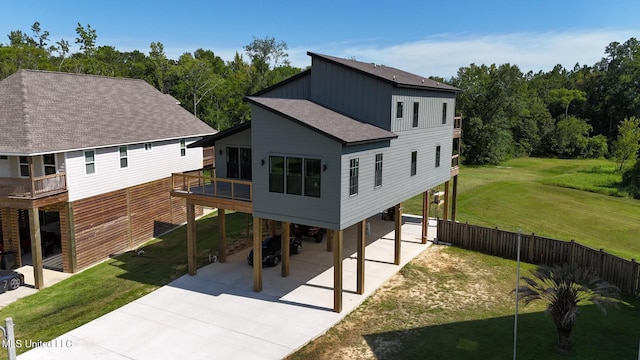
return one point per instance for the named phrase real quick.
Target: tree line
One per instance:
(584, 112)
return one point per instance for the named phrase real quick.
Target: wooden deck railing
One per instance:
(33, 188)
(199, 182)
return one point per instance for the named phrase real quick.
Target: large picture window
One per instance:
(353, 176)
(294, 176)
(276, 174)
(312, 177)
(378, 171)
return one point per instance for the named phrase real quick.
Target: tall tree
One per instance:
(564, 97)
(86, 39)
(625, 147)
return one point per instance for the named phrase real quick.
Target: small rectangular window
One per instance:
(183, 148)
(414, 163)
(444, 113)
(147, 147)
(399, 109)
(353, 176)
(49, 162)
(416, 106)
(438, 156)
(294, 176)
(378, 171)
(276, 174)
(4, 157)
(89, 162)
(312, 177)
(124, 157)
(24, 166)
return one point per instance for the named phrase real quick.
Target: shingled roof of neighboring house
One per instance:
(341, 128)
(389, 74)
(44, 112)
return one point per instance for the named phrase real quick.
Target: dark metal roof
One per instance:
(346, 130)
(43, 112)
(389, 74)
(210, 140)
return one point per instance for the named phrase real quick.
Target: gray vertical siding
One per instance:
(352, 93)
(299, 88)
(274, 135)
(430, 111)
(241, 139)
(397, 183)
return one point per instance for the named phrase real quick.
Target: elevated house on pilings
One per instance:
(331, 147)
(86, 164)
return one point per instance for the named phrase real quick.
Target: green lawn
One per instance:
(98, 290)
(541, 196)
(456, 304)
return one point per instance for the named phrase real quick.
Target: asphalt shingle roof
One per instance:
(341, 128)
(44, 112)
(389, 74)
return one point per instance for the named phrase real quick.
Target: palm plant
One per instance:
(564, 289)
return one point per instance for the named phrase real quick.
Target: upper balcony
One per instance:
(202, 187)
(457, 126)
(33, 187)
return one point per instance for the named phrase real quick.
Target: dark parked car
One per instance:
(10, 280)
(299, 231)
(272, 250)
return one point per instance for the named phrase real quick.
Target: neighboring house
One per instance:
(87, 160)
(331, 147)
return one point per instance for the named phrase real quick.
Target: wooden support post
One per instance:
(257, 254)
(286, 249)
(192, 262)
(36, 248)
(70, 256)
(425, 216)
(222, 235)
(362, 236)
(337, 270)
(330, 235)
(272, 227)
(454, 198)
(445, 216)
(398, 220)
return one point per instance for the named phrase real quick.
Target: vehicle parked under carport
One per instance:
(272, 250)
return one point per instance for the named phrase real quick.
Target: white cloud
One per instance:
(442, 55)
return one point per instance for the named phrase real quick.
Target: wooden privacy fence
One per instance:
(539, 250)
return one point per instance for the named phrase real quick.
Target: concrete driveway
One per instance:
(217, 315)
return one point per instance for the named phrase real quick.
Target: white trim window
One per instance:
(353, 176)
(49, 164)
(183, 148)
(89, 162)
(24, 166)
(378, 171)
(124, 157)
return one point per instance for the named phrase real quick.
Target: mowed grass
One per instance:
(100, 289)
(456, 304)
(561, 199)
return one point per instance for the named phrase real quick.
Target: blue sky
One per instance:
(424, 37)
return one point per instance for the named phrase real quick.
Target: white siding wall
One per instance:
(144, 166)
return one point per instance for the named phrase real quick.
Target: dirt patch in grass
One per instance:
(427, 291)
